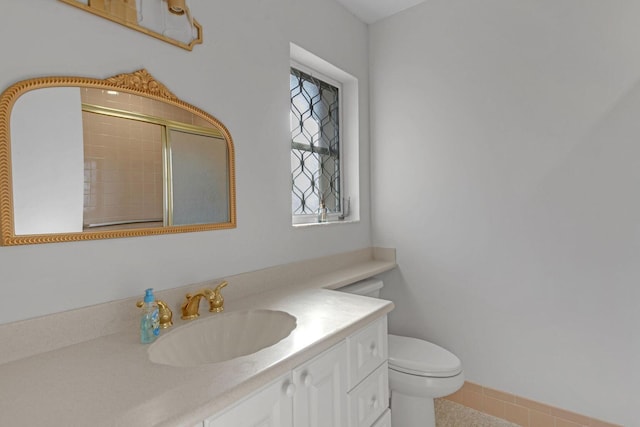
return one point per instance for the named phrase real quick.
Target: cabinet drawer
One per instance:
(384, 420)
(369, 399)
(367, 350)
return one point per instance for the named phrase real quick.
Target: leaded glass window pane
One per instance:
(315, 144)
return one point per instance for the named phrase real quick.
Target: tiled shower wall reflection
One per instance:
(123, 158)
(122, 173)
(123, 170)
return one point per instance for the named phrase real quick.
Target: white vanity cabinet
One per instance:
(312, 395)
(321, 390)
(368, 377)
(384, 420)
(345, 386)
(271, 406)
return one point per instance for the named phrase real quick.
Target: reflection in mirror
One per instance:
(93, 161)
(123, 170)
(197, 161)
(167, 20)
(47, 161)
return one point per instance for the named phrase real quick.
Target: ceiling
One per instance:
(371, 11)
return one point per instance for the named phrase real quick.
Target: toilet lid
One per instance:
(418, 357)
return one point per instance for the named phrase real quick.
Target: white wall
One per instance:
(506, 146)
(240, 75)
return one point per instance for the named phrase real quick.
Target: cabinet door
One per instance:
(321, 390)
(271, 406)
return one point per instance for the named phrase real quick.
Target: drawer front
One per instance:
(384, 420)
(367, 349)
(370, 398)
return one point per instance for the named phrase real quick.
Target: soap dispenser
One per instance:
(150, 319)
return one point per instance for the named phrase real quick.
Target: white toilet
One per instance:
(419, 371)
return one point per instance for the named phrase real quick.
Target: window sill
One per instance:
(321, 224)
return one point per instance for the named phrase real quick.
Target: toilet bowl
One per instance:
(419, 371)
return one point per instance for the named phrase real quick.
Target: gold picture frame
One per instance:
(124, 19)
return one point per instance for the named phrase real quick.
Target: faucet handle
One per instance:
(221, 285)
(164, 313)
(216, 300)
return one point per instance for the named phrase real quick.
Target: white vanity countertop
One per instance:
(109, 381)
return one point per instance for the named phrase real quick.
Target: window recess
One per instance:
(316, 179)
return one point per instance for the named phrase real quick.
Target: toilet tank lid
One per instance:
(418, 357)
(363, 287)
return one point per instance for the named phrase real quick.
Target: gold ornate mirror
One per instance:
(86, 159)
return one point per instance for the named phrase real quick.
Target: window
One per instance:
(316, 191)
(325, 140)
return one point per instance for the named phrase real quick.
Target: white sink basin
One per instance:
(221, 337)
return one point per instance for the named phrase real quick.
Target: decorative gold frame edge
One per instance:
(127, 82)
(139, 28)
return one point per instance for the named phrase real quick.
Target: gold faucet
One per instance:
(191, 307)
(164, 313)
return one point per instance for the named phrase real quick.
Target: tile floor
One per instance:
(451, 414)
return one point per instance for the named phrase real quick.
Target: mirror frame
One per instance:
(137, 27)
(139, 83)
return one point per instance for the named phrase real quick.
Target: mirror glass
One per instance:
(90, 159)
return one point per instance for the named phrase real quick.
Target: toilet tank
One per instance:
(368, 287)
